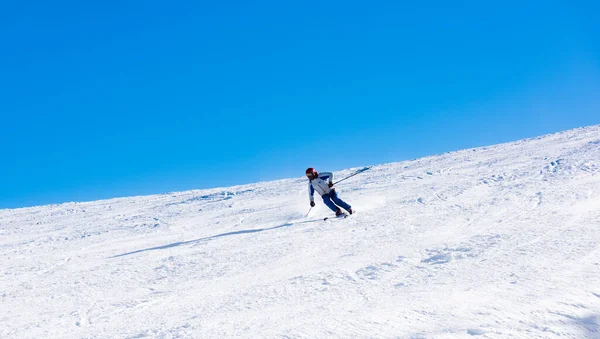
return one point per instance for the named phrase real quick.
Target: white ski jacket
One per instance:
(320, 184)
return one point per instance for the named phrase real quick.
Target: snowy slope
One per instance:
(494, 242)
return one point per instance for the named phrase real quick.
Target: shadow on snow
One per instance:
(175, 244)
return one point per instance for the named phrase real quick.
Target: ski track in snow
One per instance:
(494, 242)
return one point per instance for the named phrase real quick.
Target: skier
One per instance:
(323, 184)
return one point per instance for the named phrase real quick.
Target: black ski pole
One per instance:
(310, 209)
(350, 176)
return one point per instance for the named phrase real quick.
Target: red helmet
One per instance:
(312, 172)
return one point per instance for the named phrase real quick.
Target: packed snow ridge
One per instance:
(493, 242)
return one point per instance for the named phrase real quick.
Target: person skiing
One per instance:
(323, 184)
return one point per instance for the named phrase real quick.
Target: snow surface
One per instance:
(493, 242)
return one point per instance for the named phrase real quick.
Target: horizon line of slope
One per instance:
(232, 190)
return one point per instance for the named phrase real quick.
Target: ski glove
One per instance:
(312, 204)
(330, 184)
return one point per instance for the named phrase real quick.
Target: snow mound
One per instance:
(492, 242)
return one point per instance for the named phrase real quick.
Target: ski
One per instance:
(343, 216)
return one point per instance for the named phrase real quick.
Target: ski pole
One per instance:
(350, 176)
(310, 209)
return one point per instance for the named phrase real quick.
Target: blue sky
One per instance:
(120, 98)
